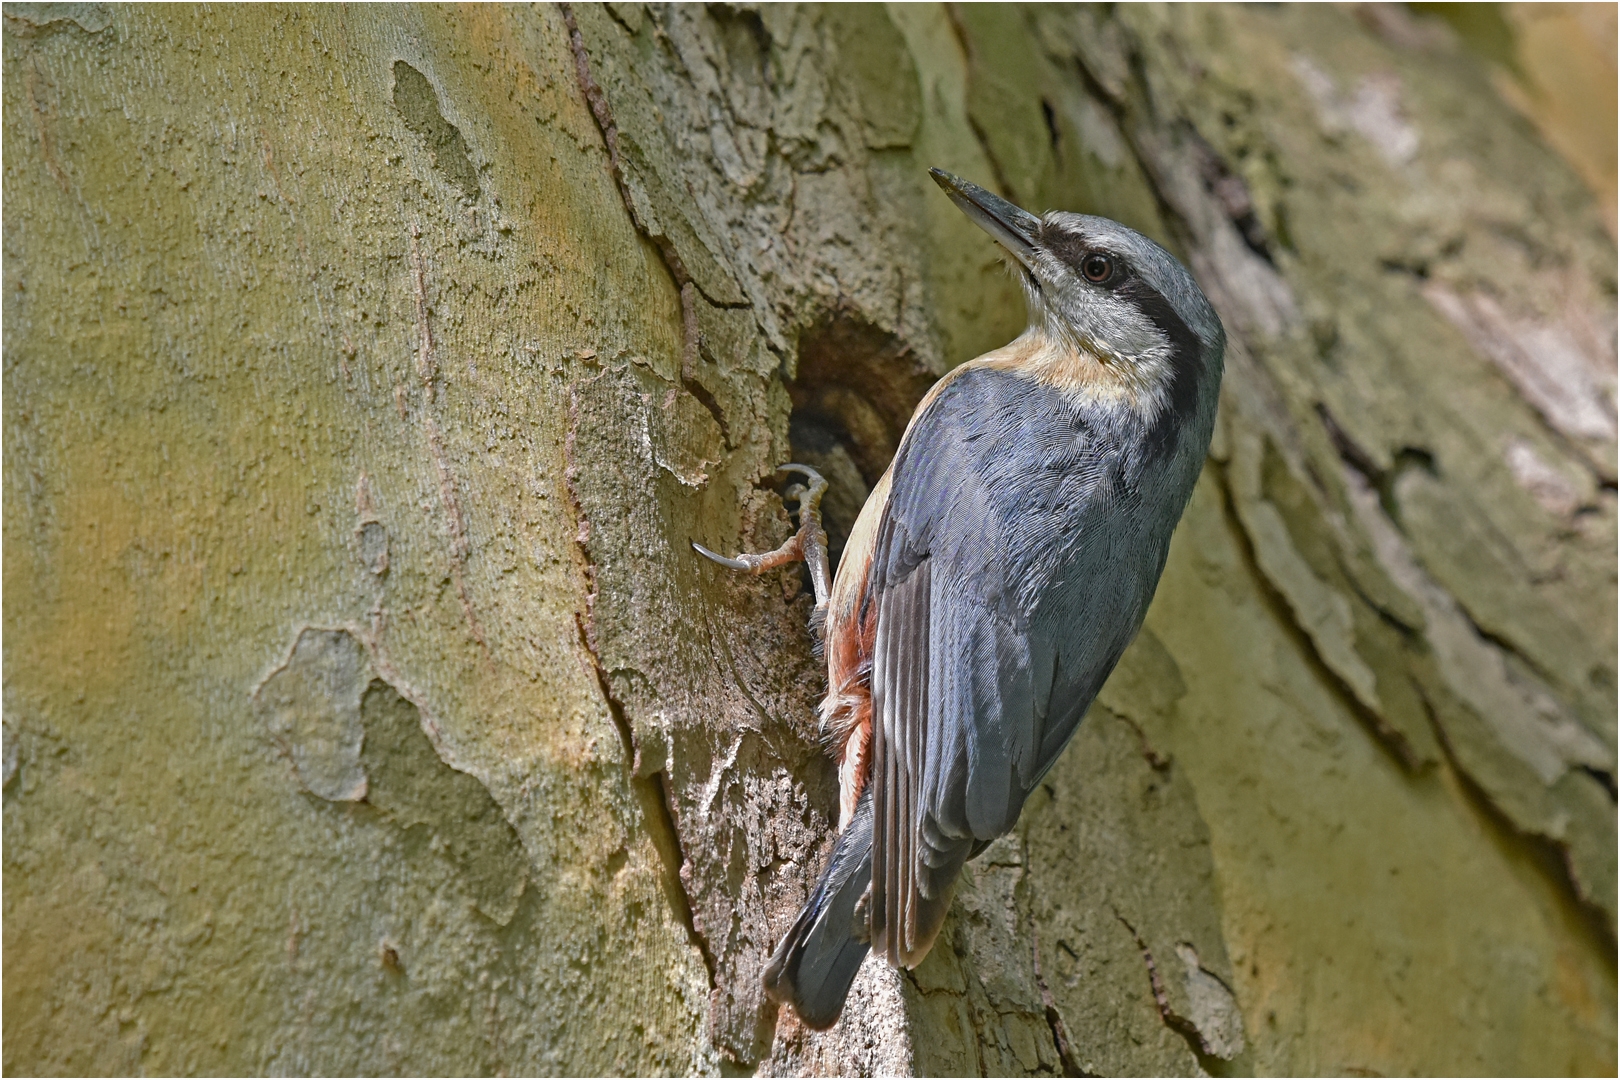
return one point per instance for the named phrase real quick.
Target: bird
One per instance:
(994, 576)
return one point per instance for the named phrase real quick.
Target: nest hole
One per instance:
(854, 393)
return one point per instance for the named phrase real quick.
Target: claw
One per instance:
(747, 562)
(807, 545)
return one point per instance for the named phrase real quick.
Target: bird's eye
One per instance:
(1097, 268)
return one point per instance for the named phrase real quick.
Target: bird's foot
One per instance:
(807, 545)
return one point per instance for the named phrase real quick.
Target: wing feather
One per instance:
(915, 650)
(900, 702)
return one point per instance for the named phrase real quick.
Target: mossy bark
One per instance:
(369, 370)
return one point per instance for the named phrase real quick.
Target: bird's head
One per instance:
(1102, 290)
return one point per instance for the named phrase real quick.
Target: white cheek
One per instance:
(1138, 343)
(1126, 332)
(1108, 326)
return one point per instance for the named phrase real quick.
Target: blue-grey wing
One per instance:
(999, 508)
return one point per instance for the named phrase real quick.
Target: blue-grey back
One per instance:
(1047, 521)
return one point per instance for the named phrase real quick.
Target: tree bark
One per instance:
(369, 370)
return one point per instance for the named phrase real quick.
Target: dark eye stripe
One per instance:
(1068, 246)
(1187, 353)
(1074, 248)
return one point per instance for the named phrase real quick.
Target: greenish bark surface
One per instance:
(368, 371)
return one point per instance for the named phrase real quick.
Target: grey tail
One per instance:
(816, 962)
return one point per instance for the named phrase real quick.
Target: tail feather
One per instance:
(813, 967)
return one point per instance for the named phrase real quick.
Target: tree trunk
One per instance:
(368, 371)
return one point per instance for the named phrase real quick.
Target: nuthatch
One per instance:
(994, 577)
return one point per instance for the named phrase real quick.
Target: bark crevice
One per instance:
(1185, 1028)
(657, 813)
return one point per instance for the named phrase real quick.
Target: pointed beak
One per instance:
(1016, 230)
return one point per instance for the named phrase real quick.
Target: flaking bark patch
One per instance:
(311, 706)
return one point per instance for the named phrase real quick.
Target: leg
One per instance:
(808, 545)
